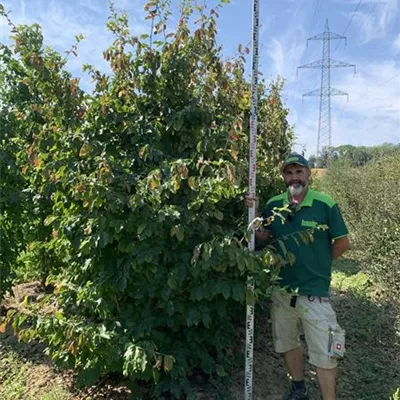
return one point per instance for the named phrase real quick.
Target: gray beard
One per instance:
(296, 189)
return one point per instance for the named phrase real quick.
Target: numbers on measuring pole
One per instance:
(248, 379)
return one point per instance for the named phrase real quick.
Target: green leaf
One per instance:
(250, 297)
(49, 220)
(156, 375)
(103, 333)
(197, 293)
(282, 246)
(169, 362)
(225, 289)
(172, 283)
(220, 370)
(291, 258)
(192, 183)
(193, 317)
(88, 376)
(218, 215)
(207, 320)
(238, 291)
(141, 228)
(178, 232)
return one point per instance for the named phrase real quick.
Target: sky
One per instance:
(372, 27)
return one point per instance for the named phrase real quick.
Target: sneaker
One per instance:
(293, 394)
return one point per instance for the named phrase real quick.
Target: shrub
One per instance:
(136, 195)
(369, 199)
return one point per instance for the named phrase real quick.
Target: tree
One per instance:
(138, 189)
(356, 156)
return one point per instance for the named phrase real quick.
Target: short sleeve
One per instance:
(266, 214)
(267, 211)
(337, 226)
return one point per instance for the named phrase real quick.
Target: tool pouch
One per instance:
(336, 344)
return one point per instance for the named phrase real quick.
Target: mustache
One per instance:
(296, 182)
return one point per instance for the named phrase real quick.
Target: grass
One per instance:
(14, 377)
(371, 367)
(56, 394)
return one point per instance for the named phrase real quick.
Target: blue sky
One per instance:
(372, 27)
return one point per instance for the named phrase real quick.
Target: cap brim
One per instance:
(294, 163)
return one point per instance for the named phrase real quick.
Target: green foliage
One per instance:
(133, 197)
(371, 321)
(369, 199)
(11, 185)
(12, 377)
(396, 395)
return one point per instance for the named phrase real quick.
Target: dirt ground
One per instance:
(270, 378)
(370, 370)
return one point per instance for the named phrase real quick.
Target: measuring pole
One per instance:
(248, 376)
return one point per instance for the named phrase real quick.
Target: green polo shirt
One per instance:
(311, 271)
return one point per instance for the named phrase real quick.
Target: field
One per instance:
(318, 173)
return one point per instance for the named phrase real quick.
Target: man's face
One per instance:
(296, 178)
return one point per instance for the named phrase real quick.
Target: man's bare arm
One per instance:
(261, 237)
(340, 246)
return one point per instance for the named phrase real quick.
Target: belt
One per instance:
(293, 299)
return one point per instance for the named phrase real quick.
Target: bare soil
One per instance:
(370, 370)
(270, 378)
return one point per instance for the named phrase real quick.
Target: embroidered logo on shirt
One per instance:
(309, 224)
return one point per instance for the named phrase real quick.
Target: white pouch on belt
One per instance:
(336, 344)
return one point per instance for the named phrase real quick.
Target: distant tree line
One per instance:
(356, 156)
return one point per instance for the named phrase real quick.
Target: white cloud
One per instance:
(62, 21)
(369, 96)
(275, 51)
(286, 53)
(396, 43)
(22, 2)
(377, 24)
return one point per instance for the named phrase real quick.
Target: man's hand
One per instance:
(261, 237)
(261, 234)
(251, 200)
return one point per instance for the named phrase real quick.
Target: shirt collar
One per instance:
(307, 201)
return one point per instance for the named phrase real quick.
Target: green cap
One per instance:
(295, 158)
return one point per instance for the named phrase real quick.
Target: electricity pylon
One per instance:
(326, 91)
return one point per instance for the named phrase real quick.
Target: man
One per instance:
(305, 301)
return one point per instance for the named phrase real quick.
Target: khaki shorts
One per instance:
(313, 315)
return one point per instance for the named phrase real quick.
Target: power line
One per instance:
(389, 80)
(348, 24)
(384, 48)
(316, 10)
(351, 19)
(372, 11)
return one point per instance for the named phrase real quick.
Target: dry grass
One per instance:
(318, 173)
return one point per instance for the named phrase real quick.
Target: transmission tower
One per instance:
(325, 91)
